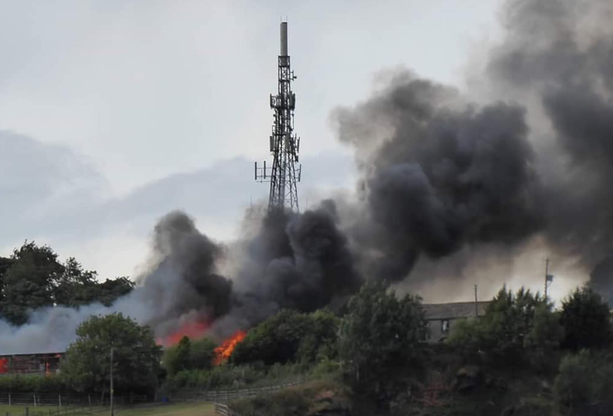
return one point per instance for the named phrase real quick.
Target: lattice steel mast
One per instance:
(284, 144)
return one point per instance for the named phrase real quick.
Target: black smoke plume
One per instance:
(298, 261)
(447, 174)
(440, 173)
(183, 281)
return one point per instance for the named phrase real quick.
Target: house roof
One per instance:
(437, 311)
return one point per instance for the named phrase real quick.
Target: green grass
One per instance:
(179, 409)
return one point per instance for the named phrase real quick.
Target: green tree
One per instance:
(381, 337)
(136, 356)
(5, 264)
(75, 286)
(112, 289)
(189, 355)
(34, 278)
(202, 353)
(516, 327)
(29, 281)
(586, 320)
(287, 336)
(584, 377)
(321, 340)
(177, 358)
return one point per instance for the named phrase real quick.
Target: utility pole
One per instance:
(112, 391)
(476, 303)
(548, 277)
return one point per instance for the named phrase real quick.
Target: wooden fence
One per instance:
(224, 396)
(221, 398)
(59, 400)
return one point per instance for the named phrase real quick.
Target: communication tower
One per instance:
(285, 172)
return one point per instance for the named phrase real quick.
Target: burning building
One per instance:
(42, 364)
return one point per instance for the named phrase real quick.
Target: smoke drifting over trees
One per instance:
(448, 174)
(440, 173)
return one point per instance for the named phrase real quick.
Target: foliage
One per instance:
(202, 353)
(298, 400)
(28, 282)
(380, 336)
(189, 355)
(136, 357)
(586, 320)
(516, 327)
(34, 278)
(5, 264)
(177, 358)
(230, 376)
(289, 336)
(584, 377)
(34, 383)
(467, 336)
(532, 406)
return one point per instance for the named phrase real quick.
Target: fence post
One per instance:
(9, 399)
(89, 399)
(34, 395)
(59, 398)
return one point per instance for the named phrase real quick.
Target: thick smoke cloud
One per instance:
(298, 261)
(561, 52)
(448, 174)
(183, 280)
(443, 181)
(181, 284)
(440, 174)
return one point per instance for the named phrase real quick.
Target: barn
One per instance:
(45, 363)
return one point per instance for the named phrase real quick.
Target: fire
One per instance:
(224, 351)
(192, 330)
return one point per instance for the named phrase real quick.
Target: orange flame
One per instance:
(192, 330)
(224, 351)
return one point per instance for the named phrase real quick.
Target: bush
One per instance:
(34, 384)
(230, 376)
(583, 378)
(189, 355)
(381, 339)
(533, 406)
(516, 328)
(586, 320)
(298, 400)
(289, 336)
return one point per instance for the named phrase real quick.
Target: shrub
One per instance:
(189, 355)
(289, 336)
(584, 377)
(586, 320)
(381, 338)
(517, 328)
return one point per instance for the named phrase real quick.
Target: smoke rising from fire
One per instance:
(441, 173)
(444, 179)
(447, 174)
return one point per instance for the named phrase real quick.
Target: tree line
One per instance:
(529, 356)
(33, 277)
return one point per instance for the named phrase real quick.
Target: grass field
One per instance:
(180, 409)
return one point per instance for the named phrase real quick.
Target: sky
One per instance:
(113, 113)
